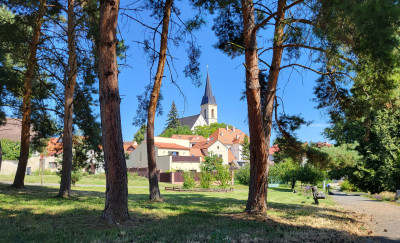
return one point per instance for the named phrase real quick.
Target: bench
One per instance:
(317, 195)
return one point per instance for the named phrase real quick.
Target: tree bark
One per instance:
(65, 185)
(151, 152)
(1, 155)
(256, 203)
(26, 102)
(116, 204)
(269, 98)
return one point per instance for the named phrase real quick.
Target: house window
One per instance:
(174, 153)
(212, 113)
(52, 165)
(130, 149)
(217, 147)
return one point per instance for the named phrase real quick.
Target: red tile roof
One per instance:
(192, 138)
(128, 145)
(230, 136)
(231, 157)
(170, 146)
(273, 149)
(204, 144)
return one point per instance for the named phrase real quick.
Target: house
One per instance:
(215, 147)
(231, 138)
(193, 139)
(208, 110)
(171, 154)
(130, 146)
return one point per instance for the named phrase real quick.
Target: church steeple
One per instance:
(208, 97)
(209, 108)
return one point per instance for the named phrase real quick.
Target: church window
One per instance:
(212, 113)
(205, 114)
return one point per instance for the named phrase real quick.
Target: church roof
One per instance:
(189, 120)
(208, 97)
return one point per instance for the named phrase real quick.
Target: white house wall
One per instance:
(219, 149)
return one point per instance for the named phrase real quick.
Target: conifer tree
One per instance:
(173, 120)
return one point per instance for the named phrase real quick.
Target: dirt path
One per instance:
(384, 217)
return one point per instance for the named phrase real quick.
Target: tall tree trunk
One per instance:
(65, 185)
(269, 98)
(116, 204)
(256, 203)
(26, 102)
(151, 152)
(1, 155)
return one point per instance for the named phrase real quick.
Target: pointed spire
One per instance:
(208, 97)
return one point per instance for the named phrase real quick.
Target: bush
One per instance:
(347, 186)
(76, 176)
(45, 172)
(206, 179)
(188, 180)
(132, 175)
(243, 175)
(223, 175)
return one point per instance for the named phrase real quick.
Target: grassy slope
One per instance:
(35, 215)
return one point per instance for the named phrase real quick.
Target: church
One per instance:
(208, 110)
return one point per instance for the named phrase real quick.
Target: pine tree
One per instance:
(173, 121)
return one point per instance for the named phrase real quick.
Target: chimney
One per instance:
(227, 127)
(208, 139)
(233, 128)
(237, 137)
(222, 134)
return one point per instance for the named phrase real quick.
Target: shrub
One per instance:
(188, 180)
(45, 172)
(347, 186)
(206, 179)
(132, 175)
(76, 176)
(223, 175)
(243, 175)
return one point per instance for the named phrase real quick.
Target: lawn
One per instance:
(34, 215)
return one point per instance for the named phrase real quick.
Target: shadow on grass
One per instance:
(34, 215)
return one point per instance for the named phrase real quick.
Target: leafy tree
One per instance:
(286, 171)
(300, 27)
(139, 135)
(173, 120)
(180, 130)
(10, 149)
(207, 130)
(245, 148)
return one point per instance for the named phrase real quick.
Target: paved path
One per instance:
(383, 217)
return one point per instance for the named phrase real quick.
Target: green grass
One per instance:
(34, 215)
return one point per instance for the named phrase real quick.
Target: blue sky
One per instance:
(227, 78)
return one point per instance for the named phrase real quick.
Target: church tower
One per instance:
(209, 108)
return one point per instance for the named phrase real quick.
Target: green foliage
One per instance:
(10, 149)
(139, 135)
(76, 176)
(347, 186)
(173, 120)
(285, 171)
(206, 130)
(211, 163)
(188, 180)
(206, 179)
(308, 174)
(181, 130)
(80, 157)
(243, 174)
(132, 176)
(45, 172)
(245, 148)
(223, 175)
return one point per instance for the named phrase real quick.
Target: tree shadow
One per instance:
(183, 217)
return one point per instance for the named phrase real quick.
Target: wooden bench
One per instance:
(317, 195)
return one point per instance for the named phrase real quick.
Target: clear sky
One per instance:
(227, 78)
